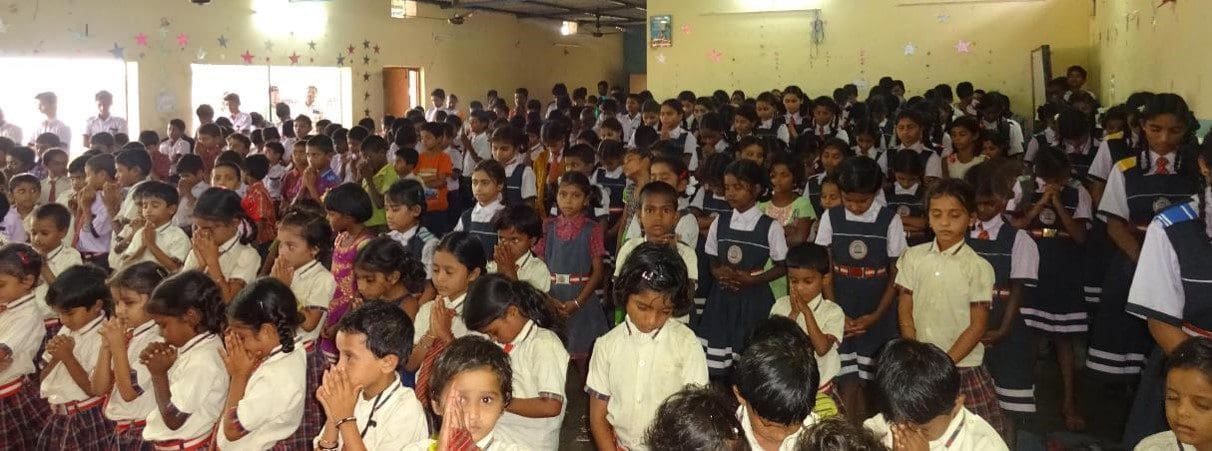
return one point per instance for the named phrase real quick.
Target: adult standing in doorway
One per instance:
(311, 107)
(48, 105)
(10, 130)
(103, 121)
(240, 121)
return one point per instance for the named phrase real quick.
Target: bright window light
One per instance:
(293, 83)
(75, 93)
(568, 28)
(281, 18)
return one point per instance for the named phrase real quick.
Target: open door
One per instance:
(401, 89)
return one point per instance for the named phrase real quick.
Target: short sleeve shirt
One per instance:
(944, 284)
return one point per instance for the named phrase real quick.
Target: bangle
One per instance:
(343, 421)
(326, 446)
(578, 303)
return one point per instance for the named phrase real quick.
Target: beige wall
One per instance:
(489, 51)
(865, 39)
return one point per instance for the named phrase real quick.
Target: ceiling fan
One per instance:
(598, 31)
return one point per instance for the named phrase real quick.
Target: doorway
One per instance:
(401, 88)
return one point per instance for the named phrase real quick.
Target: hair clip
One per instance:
(1140, 109)
(648, 275)
(24, 258)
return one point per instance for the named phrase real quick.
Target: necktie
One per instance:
(53, 183)
(984, 234)
(508, 348)
(1163, 166)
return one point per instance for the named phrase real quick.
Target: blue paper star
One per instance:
(118, 52)
(340, 60)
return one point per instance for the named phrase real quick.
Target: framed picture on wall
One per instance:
(660, 31)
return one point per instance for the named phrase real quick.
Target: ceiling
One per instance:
(610, 12)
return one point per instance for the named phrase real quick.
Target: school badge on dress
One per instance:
(903, 210)
(1160, 204)
(1047, 216)
(735, 254)
(858, 249)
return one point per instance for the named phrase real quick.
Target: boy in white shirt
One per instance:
(821, 319)
(103, 121)
(158, 240)
(47, 236)
(923, 407)
(518, 229)
(48, 105)
(176, 145)
(775, 383)
(191, 184)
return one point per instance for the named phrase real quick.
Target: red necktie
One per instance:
(984, 234)
(426, 369)
(508, 348)
(53, 183)
(1162, 166)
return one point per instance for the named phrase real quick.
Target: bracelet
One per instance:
(327, 446)
(343, 421)
(578, 303)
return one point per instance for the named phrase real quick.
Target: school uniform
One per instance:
(831, 320)
(569, 247)
(110, 124)
(490, 442)
(519, 181)
(862, 247)
(633, 372)
(56, 126)
(51, 188)
(93, 237)
(788, 443)
(687, 228)
(1099, 247)
(614, 181)
(172, 149)
(630, 123)
(965, 432)
(769, 128)
(1046, 138)
(236, 261)
(1015, 258)
(1081, 157)
(684, 143)
(419, 244)
(822, 133)
(812, 190)
(531, 270)
(482, 148)
(272, 406)
(710, 204)
(23, 412)
(909, 202)
(1163, 441)
(689, 257)
(130, 417)
(929, 157)
(184, 218)
(480, 222)
(746, 241)
(1053, 304)
(1135, 192)
(874, 153)
(273, 181)
(313, 285)
(457, 327)
(78, 420)
(392, 419)
(198, 382)
(1009, 129)
(540, 366)
(169, 238)
(241, 122)
(12, 132)
(12, 228)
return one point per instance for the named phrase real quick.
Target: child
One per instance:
(747, 249)
(176, 144)
(520, 185)
(405, 205)
(187, 371)
(833, 152)
(50, 228)
(838, 433)
(258, 203)
(831, 196)
(227, 175)
(910, 126)
(609, 175)
(265, 396)
(548, 164)
(637, 168)
(387, 273)
(487, 182)
(406, 163)
(209, 145)
(434, 167)
(519, 318)
(472, 386)
(292, 181)
(1076, 133)
(580, 158)
(868, 140)
(93, 226)
(864, 240)
(303, 241)
(753, 148)
(906, 196)
(82, 301)
(680, 141)
(23, 192)
(191, 183)
(793, 211)
(695, 418)
(821, 319)
(519, 228)
(374, 341)
(1015, 260)
(1054, 210)
(222, 231)
(275, 176)
(319, 177)
(23, 412)
(157, 240)
(239, 143)
(657, 219)
(376, 177)
(767, 125)
(348, 209)
(949, 296)
(457, 262)
(776, 383)
(923, 407)
(645, 359)
(1187, 383)
(826, 121)
(993, 108)
(119, 373)
(965, 147)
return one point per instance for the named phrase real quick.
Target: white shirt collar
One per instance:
(615, 173)
(918, 147)
(456, 304)
(751, 214)
(193, 342)
(954, 249)
(229, 244)
(897, 189)
(634, 331)
(743, 415)
(992, 226)
(524, 334)
(768, 123)
(20, 302)
(306, 268)
(92, 325)
(408, 234)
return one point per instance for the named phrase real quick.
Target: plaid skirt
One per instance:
(313, 412)
(131, 439)
(22, 415)
(980, 397)
(85, 430)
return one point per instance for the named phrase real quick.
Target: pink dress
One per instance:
(343, 256)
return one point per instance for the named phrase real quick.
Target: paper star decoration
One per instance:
(686, 29)
(910, 49)
(222, 41)
(141, 40)
(366, 60)
(340, 60)
(661, 58)
(943, 17)
(365, 76)
(164, 23)
(367, 112)
(963, 46)
(311, 45)
(118, 52)
(350, 49)
(201, 54)
(366, 94)
(182, 40)
(715, 55)
(294, 58)
(376, 47)
(247, 56)
(269, 45)
(365, 44)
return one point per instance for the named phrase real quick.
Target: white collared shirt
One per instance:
(274, 179)
(1024, 256)
(687, 228)
(58, 260)
(185, 208)
(169, 238)
(490, 442)
(57, 127)
(198, 382)
(934, 164)
(236, 260)
(313, 286)
(1115, 198)
(636, 371)
(398, 416)
(788, 443)
(782, 133)
(172, 148)
(944, 284)
(528, 178)
(61, 184)
(1163, 441)
(1157, 285)
(21, 330)
(13, 132)
(240, 122)
(457, 327)
(59, 387)
(1016, 134)
(481, 213)
(630, 124)
(13, 227)
(111, 124)
(272, 407)
(482, 148)
(426, 252)
(531, 269)
(896, 230)
(830, 320)
(540, 367)
(138, 409)
(967, 431)
(747, 221)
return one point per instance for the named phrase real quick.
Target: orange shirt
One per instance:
(432, 165)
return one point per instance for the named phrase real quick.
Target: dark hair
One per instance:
(696, 419)
(1073, 124)
(386, 255)
(210, 130)
(521, 218)
(659, 269)
(907, 162)
(387, 329)
(142, 277)
(917, 382)
(314, 229)
(322, 142)
(270, 135)
(101, 139)
(150, 138)
(157, 190)
(77, 286)
(777, 375)
(656, 188)
(241, 139)
(837, 434)
(234, 166)
(750, 172)
(100, 163)
(1051, 162)
(23, 154)
(409, 193)
(218, 204)
(55, 212)
(470, 353)
(189, 164)
(1194, 353)
(466, 249)
(675, 163)
(268, 301)
(257, 166)
(351, 200)
(711, 170)
(491, 295)
(20, 260)
(1078, 69)
(358, 133)
(956, 188)
(860, 175)
(510, 135)
(581, 152)
(26, 178)
(808, 256)
(493, 169)
(187, 290)
(592, 194)
(645, 137)
(408, 155)
(48, 139)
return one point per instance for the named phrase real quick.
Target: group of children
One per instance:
(890, 262)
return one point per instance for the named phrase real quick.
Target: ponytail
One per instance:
(268, 301)
(491, 296)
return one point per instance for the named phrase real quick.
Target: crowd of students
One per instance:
(781, 272)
